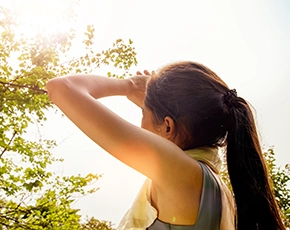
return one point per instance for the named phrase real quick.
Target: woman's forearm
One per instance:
(96, 86)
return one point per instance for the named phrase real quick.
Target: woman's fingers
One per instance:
(146, 72)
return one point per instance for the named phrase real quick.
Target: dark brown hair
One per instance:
(206, 113)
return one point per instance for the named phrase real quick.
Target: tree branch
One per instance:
(5, 149)
(35, 88)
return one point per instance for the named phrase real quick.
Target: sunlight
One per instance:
(49, 16)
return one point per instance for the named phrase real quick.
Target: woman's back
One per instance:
(209, 211)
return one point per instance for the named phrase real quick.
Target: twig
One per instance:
(5, 149)
(24, 86)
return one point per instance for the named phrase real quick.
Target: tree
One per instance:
(280, 177)
(94, 224)
(31, 196)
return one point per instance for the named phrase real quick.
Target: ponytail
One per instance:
(256, 206)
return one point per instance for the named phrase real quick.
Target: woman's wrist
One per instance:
(129, 87)
(136, 87)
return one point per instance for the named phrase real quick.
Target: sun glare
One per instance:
(45, 15)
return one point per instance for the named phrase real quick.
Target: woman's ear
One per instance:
(168, 128)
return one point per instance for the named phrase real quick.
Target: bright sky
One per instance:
(247, 43)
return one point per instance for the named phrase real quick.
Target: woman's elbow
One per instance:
(55, 87)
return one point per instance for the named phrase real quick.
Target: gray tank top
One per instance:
(210, 210)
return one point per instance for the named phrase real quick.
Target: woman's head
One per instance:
(192, 96)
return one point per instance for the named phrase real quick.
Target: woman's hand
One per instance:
(138, 89)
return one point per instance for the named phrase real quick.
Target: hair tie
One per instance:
(230, 96)
(232, 92)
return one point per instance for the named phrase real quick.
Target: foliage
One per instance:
(94, 224)
(280, 177)
(31, 196)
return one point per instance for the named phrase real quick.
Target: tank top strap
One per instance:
(210, 211)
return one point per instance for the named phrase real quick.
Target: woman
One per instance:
(188, 113)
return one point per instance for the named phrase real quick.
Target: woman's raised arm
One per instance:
(148, 153)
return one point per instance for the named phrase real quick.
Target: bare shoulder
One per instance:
(181, 170)
(177, 197)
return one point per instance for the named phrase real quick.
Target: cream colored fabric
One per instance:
(209, 156)
(141, 215)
